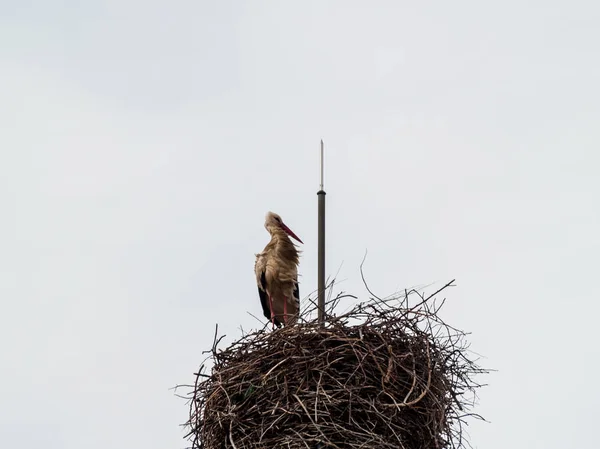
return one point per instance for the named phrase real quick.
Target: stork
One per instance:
(276, 270)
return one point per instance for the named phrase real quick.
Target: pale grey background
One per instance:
(142, 143)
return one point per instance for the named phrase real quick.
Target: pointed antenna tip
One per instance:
(321, 184)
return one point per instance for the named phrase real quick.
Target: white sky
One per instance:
(142, 143)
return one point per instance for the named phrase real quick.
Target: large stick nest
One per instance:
(387, 374)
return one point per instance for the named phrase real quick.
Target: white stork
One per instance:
(276, 270)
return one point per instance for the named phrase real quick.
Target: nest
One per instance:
(387, 374)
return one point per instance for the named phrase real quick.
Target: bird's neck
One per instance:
(280, 239)
(283, 245)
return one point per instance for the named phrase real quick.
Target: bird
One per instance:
(276, 270)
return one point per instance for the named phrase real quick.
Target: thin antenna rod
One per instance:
(321, 247)
(321, 185)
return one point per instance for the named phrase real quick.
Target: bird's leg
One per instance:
(272, 312)
(285, 311)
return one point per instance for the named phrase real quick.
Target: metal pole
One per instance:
(321, 246)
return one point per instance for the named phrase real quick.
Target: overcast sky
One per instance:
(142, 143)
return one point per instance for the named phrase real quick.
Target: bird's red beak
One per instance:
(290, 233)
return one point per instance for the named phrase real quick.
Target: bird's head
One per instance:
(274, 221)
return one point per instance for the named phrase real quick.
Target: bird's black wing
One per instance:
(264, 299)
(297, 294)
